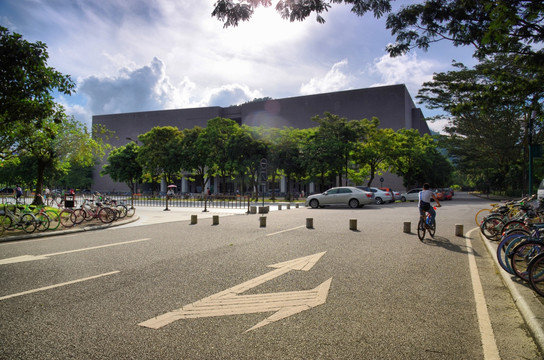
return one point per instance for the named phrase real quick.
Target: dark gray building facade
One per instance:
(392, 105)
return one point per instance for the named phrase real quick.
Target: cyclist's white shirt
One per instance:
(425, 196)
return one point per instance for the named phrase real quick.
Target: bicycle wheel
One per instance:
(122, 209)
(514, 224)
(522, 256)
(480, 216)
(77, 217)
(421, 229)
(491, 228)
(54, 220)
(106, 215)
(503, 245)
(536, 274)
(2, 228)
(42, 222)
(28, 223)
(131, 211)
(6, 222)
(432, 228)
(65, 218)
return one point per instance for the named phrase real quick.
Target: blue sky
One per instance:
(140, 55)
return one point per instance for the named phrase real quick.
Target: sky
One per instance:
(144, 55)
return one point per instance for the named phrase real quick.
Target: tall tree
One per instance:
(493, 27)
(123, 166)
(489, 108)
(195, 155)
(159, 154)
(219, 136)
(27, 88)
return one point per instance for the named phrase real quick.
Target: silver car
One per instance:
(412, 195)
(345, 195)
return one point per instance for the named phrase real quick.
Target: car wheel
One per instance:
(314, 203)
(353, 203)
(403, 199)
(379, 200)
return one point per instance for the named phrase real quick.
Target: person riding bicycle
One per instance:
(424, 204)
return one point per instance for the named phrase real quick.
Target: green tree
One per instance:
(289, 157)
(159, 154)
(417, 160)
(195, 156)
(55, 148)
(27, 88)
(489, 108)
(336, 138)
(372, 156)
(491, 26)
(123, 166)
(219, 137)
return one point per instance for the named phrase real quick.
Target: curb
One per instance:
(530, 307)
(37, 235)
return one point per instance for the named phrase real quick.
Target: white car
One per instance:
(412, 195)
(380, 196)
(346, 195)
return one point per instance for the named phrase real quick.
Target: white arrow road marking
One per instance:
(24, 258)
(229, 302)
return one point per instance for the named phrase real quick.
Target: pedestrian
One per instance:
(18, 193)
(46, 193)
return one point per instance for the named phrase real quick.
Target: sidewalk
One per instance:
(529, 304)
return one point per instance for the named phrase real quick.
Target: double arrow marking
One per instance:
(229, 302)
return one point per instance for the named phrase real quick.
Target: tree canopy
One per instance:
(27, 86)
(491, 26)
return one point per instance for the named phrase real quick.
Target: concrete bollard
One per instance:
(296, 205)
(279, 206)
(459, 230)
(407, 227)
(353, 224)
(193, 219)
(309, 223)
(252, 209)
(215, 220)
(262, 221)
(288, 206)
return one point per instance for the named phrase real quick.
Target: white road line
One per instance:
(486, 330)
(25, 258)
(279, 232)
(96, 247)
(56, 285)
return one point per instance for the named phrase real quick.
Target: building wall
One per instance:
(392, 105)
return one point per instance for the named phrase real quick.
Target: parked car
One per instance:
(380, 196)
(6, 191)
(448, 193)
(345, 195)
(395, 194)
(411, 195)
(440, 194)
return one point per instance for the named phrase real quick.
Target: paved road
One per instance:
(172, 290)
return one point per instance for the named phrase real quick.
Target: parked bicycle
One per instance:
(16, 219)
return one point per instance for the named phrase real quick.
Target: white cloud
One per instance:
(334, 80)
(233, 94)
(141, 89)
(407, 69)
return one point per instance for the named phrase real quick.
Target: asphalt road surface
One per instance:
(237, 290)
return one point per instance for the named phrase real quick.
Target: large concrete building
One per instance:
(392, 105)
